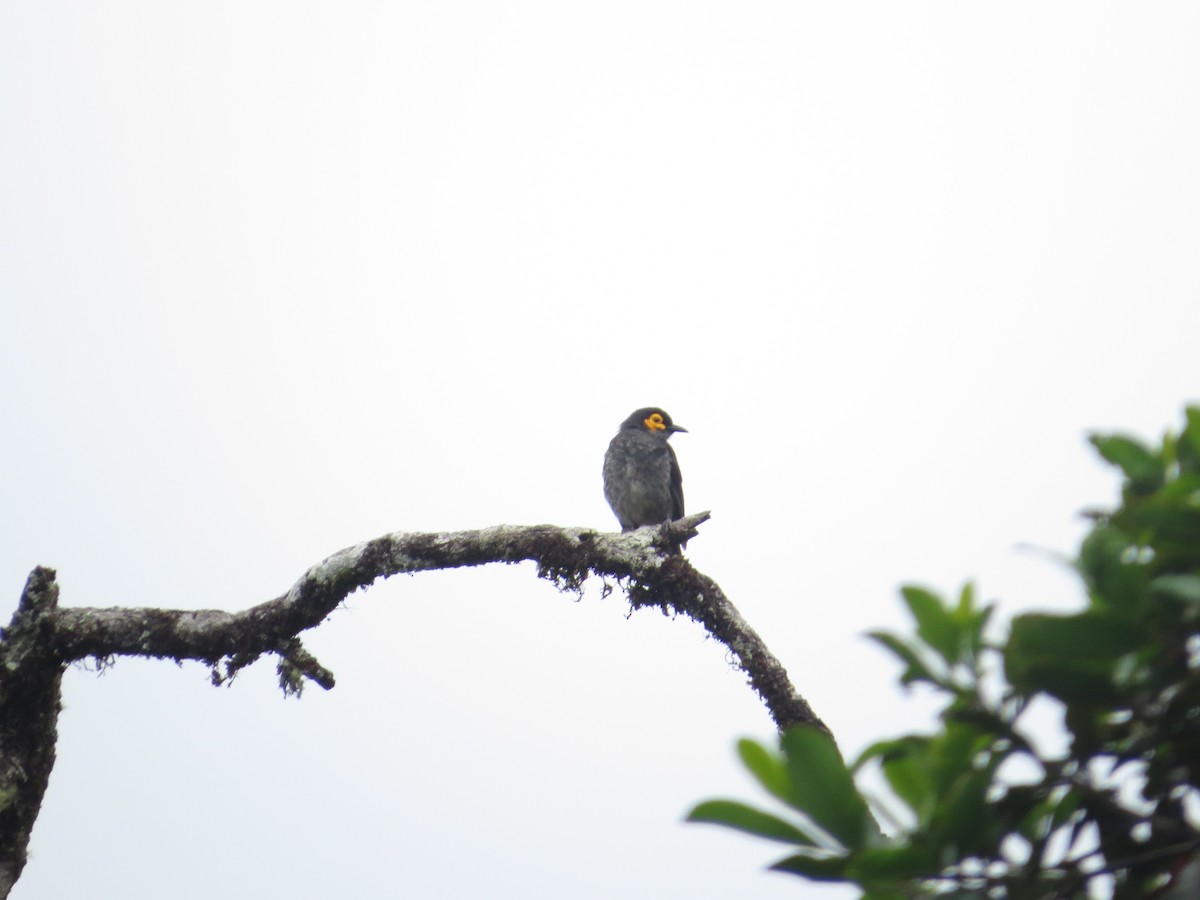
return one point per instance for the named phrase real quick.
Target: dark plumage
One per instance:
(642, 482)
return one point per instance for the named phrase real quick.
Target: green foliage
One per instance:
(1106, 818)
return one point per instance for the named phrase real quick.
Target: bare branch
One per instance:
(296, 664)
(42, 638)
(566, 556)
(30, 699)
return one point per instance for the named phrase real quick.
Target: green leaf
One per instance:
(821, 786)
(1184, 588)
(1187, 450)
(965, 611)
(953, 752)
(874, 751)
(733, 814)
(916, 670)
(1115, 579)
(1085, 723)
(1093, 635)
(892, 863)
(964, 819)
(818, 868)
(971, 619)
(1169, 526)
(1070, 657)
(1069, 683)
(1168, 516)
(936, 626)
(1144, 469)
(908, 769)
(767, 766)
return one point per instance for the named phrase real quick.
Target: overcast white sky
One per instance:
(277, 277)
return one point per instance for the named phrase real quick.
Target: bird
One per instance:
(642, 482)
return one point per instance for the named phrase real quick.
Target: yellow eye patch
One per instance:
(655, 422)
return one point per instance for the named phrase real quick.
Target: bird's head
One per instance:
(653, 420)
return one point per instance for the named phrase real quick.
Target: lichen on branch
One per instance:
(43, 638)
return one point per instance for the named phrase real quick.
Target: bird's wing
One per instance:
(676, 486)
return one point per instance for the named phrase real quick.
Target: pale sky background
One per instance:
(277, 277)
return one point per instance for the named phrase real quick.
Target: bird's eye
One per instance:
(655, 422)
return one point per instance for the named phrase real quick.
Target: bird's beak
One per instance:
(675, 428)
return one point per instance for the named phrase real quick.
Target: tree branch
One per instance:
(43, 638)
(30, 700)
(566, 556)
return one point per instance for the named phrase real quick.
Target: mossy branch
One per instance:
(43, 638)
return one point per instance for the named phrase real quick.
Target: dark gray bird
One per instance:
(642, 482)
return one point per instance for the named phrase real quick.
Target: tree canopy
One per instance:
(980, 807)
